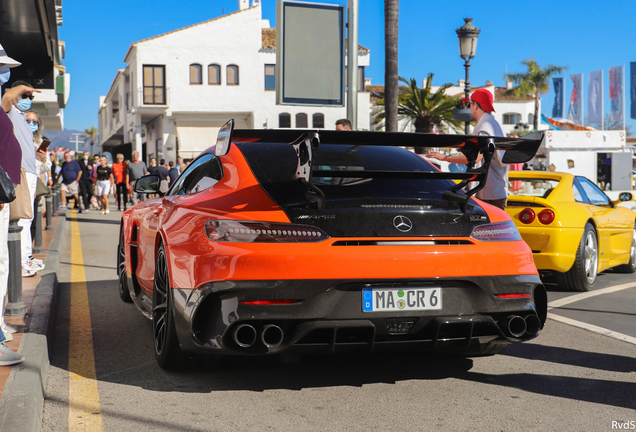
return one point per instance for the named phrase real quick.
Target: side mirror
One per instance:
(148, 184)
(626, 196)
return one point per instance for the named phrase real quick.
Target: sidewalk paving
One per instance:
(22, 386)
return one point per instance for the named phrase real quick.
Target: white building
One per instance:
(181, 86)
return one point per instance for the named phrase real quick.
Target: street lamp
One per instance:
(467, 35)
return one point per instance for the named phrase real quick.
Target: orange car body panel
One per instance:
(239, 196)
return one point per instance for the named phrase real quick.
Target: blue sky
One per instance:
(580, 35)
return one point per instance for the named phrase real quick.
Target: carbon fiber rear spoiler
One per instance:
(306, 143)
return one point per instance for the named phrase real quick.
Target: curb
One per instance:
(22, 404)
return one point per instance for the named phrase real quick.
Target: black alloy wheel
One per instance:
(124, 293)
(167, 350)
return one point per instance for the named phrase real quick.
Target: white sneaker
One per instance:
(8, 357)
(8, 328)
(28, 273)
(104, 212)
(107, 211)
(33, 266)
(8, 337)
(36, 260)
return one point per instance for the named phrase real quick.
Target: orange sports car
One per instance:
(296, 241)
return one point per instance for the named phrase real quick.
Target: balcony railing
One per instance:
(153, 96)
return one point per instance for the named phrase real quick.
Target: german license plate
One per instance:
(401, 299)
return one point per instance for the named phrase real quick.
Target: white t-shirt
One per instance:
(497, 181)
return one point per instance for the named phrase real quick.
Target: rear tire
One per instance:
(124, 293)
(582, 275)
(630, 267)
(167, 350)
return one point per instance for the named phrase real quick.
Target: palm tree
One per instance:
(427, 110)
(90, 134)
(391, 9)
(533, 82)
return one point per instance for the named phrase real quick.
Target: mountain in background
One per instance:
(66, 138)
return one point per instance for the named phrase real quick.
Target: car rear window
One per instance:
(275, 164)
(532, 187)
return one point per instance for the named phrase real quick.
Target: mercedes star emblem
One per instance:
(402, 223)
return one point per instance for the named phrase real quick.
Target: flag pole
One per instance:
(602, 102)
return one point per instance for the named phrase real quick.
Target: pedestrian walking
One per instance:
(162, 172)
(136, 170)
(105, 183)
(119, 173)
(71, 172)
(173, 173)
(85, 183)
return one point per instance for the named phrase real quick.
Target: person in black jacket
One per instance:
(85, 183)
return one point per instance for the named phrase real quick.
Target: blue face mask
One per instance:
(24, 104)
(34, 127)
(5, 74)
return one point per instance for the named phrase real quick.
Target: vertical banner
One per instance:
(575, 114)
(616, 92)
(632, 80)
(595, 98)
(559, 97)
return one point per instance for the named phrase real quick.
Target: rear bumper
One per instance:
(553, 248)
(328, 316)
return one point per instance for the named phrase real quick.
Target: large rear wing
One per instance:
(307, 144)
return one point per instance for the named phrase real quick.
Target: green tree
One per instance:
(391, 9)
(428, 110)
(534, 82)
(91, 134)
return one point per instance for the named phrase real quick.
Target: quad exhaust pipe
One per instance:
(245, 335)
(272, 336)
(513, 325)
(517, 326)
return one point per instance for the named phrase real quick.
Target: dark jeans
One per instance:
(86, 190)
(122, 188)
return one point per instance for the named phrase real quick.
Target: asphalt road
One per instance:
(567, 379)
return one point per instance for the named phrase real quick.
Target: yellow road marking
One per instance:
(85, 412)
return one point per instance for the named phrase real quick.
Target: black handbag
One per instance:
(7, 191)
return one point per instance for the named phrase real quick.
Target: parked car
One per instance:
(573, 229)
(296, 241)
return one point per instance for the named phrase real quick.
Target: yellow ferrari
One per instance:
(573, 229)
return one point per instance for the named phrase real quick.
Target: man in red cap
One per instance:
(495, 191)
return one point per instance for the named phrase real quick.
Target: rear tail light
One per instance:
(262, 232)
(546, 217)
(269, 302)
(527, 216)
(513, 296)
(499, 231)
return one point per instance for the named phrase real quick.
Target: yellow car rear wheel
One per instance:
(630, 267)
(582, 275)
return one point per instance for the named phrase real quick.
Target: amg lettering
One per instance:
(379, 297)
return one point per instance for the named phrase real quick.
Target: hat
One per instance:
(484, 98)
(5, 59)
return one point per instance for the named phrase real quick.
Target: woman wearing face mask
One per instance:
(42, 163)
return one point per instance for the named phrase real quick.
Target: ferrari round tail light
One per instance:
(499, 231)
(527, 216)
(546, 217)
(262, 232)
